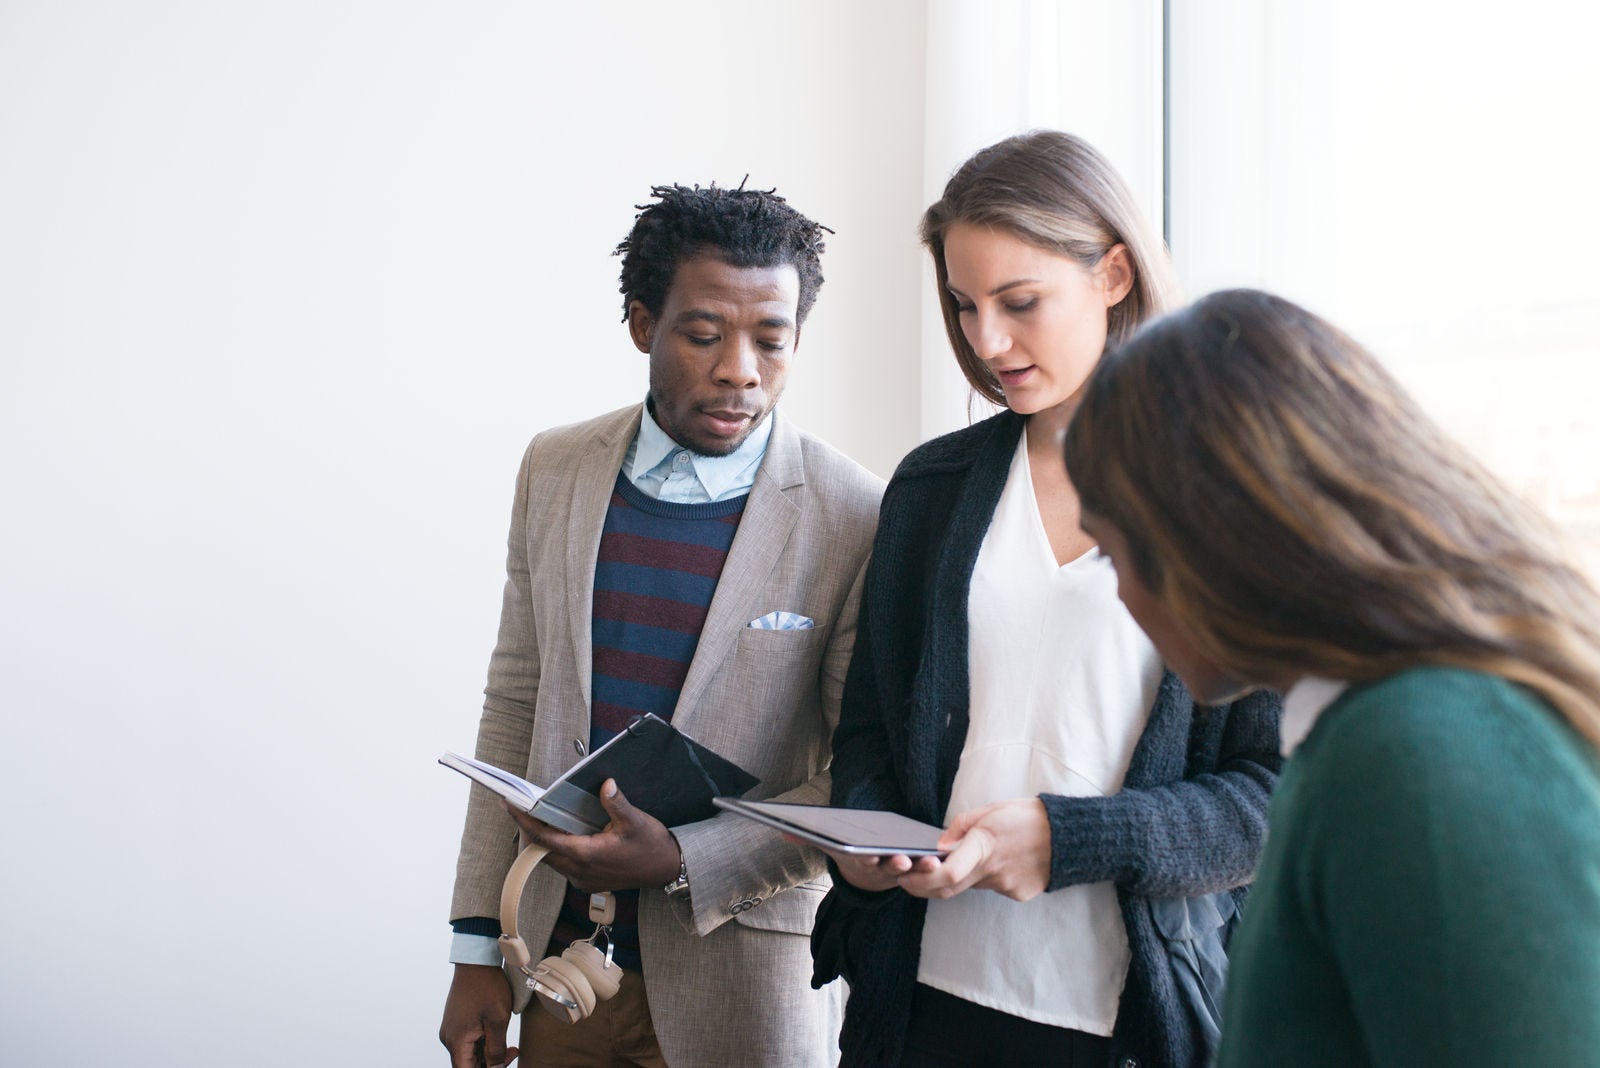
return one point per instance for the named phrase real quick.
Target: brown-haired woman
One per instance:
(1281, 514)
(998, 686)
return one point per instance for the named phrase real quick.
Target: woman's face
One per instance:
(1206, 681)
(1038, 320)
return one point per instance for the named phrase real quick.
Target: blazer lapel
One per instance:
(595, 477)
(769, 518)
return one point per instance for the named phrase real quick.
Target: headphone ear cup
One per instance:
(566, 979)
(604, 979)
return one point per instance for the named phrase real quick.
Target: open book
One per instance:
(659, 770)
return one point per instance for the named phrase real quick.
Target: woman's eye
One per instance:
(1025, 306)
(964, 309)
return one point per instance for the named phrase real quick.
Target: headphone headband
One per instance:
(511, 944)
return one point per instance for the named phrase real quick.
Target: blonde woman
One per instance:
(999, 688)
(1281, 514)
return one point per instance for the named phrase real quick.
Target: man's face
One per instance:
(719, 353)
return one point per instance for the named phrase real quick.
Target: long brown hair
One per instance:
(1297, 513)
(1052, 190)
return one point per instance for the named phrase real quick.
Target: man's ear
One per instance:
(1116, 274)
(641, 326)
(794, 343)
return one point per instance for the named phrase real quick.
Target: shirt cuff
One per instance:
(475, 949)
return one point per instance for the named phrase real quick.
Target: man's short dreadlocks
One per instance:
(742, 227)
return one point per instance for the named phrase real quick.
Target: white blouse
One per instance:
(1062, 681)
(1303, 705)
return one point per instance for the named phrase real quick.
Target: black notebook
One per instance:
(659, 769)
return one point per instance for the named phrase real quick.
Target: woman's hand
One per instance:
(872, 873)
(1004, 847)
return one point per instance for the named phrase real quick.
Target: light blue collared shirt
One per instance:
(666, 471)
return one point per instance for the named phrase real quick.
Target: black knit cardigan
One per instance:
(1189, 820)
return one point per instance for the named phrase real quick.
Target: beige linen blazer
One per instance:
(720, 993)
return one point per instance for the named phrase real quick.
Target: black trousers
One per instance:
(947, 1031)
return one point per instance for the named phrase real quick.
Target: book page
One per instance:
(518, 790)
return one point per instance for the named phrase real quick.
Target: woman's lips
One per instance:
(1014, 376)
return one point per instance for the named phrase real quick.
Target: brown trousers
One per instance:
(618, 1034)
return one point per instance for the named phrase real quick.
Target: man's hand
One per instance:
(634, 850)
(477, 1012)
(1004, 847)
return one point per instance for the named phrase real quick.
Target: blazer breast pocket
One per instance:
(778, 664)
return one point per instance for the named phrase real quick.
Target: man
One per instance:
(700, 558)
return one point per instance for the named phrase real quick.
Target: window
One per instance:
(1423, 177)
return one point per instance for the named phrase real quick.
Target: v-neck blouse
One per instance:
(1062, 681)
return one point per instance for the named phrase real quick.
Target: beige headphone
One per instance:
(571, 985)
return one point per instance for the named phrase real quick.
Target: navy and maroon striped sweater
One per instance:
(657, 570)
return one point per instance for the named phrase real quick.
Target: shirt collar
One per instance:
(718, 474)
(1305, 701)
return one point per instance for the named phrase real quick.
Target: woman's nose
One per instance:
(987, 336)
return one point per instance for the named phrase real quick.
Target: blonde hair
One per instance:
(1052, 190)
(1298, 514)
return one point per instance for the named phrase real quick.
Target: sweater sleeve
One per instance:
(1196, 835)
(863, 766)
(1452, 865)
(863, 775)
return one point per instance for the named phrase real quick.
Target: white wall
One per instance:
(284, 289)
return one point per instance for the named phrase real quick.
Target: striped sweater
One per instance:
(657, 570)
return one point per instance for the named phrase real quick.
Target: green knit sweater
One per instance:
(1430, 890)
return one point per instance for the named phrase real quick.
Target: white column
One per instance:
(1254, 118)
(1007, 66)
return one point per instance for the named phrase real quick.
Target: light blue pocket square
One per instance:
(783, 621)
